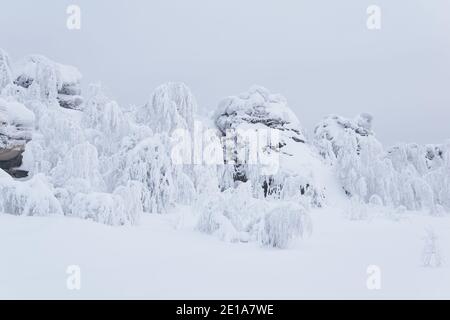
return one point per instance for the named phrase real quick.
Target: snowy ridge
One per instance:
(411, 176)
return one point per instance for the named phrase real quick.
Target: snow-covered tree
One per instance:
(30, 198)
(5, 70)
(150, 164)
(172, 106)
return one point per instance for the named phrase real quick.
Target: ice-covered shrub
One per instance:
(104, 121)
(81, 162)
(283, 223)
(375, 200)
(32, 198)
(232, 214)
(150, 164)
(104, 208)
(122, 207)
(235, 215)
(131, 194)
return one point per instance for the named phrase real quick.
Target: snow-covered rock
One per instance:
(16, 125)
(50, 82)
(236, 216)
(265, 144)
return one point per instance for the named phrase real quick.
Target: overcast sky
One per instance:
(319, 54)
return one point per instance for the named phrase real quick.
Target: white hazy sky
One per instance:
(317, 53)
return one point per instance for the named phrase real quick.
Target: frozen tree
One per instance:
(231, 214)
(5, 70)
(172, 106)
(57, 133)
(150, 164)
(105, 208)
(131, 194)
(104, 121)
(81, 162)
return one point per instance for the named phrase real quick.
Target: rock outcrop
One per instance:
(286, 166)
(16, 125)
(51, 81)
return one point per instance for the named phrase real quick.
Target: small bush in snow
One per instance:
(283, 223)
(100, 207)
(32, 198)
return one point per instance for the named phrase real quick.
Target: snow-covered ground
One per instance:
(164, 257)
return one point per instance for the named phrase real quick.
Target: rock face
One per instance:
(16, 125)
(258, 106)
(52, 81)
(286, 166)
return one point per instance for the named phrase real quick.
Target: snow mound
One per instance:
(258, 106)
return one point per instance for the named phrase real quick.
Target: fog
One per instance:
(319, 54)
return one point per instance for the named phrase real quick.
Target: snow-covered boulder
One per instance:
(264, 143)
(16, 125)
(149, 164)
(50, 82)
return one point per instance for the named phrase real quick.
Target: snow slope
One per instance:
(164, 258)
